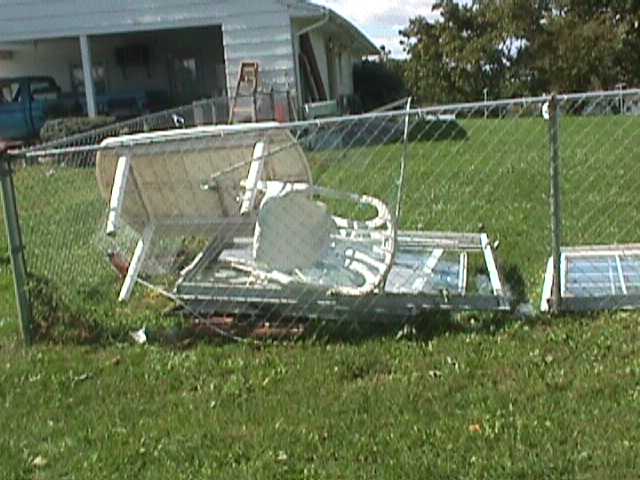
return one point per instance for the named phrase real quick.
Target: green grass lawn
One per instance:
(472, 396)
(7, 304)
(543, 400)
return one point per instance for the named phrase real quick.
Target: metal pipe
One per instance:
(391, 106)
(214, 131)
(556, 205)
(435, 112)
(403, 161)
(16, 247)
(87, 71)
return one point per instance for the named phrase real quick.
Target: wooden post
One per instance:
(16, 248)
(556, 204)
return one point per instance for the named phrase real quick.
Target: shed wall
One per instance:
(265, 38)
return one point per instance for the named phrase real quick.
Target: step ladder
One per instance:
(246, 90)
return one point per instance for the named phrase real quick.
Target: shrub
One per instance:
(378, 83)
(63, 127)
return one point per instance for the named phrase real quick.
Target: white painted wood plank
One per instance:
(136, 263)
(462, 276)
(546, 287)
(117, 193)
(255, 174)
(491, 265)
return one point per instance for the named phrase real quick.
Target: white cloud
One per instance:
(381, 19)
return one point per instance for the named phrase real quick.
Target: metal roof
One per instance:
(45, 19)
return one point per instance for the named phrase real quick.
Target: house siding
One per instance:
(41, 19)
(253, 30)
(264, 38)
(41, 35)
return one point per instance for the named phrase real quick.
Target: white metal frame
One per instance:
(137, 261)
(116, 204)
(379, 230)
(204, 294)
(254, 176)
(590, 302)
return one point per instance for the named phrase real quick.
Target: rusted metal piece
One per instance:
(226, 326)
(7, 145)
(268, 332)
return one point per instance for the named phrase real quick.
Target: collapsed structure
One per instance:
(262, 234)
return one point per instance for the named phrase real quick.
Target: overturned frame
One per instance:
(410, 278)
(212, 285)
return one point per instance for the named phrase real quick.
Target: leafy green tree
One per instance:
(522, 47)
(377, 83)
(578, 52)
(471, 49)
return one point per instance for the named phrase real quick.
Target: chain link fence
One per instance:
(599, 262)
(287, 229)
(269, 106)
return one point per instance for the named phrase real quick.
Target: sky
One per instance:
(381, 19)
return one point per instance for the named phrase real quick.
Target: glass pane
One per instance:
(9, 92)
(410, 274)
(43, 90)
(592, 276)
(631, 273)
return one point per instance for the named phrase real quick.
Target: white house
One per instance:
(188, 49)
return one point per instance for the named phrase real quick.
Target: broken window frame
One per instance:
(575, 303)
(314, 303)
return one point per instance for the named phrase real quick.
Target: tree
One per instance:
(578, 49)
(378, 83)
(457, 58)
(522, 47)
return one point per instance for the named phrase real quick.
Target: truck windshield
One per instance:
(9, 92)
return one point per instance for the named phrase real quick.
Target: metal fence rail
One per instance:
(270, 106)
(269, 229)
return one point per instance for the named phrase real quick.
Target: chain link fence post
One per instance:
(16, 248)
(556, 204)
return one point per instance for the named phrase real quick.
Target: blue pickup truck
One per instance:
(26, 103)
